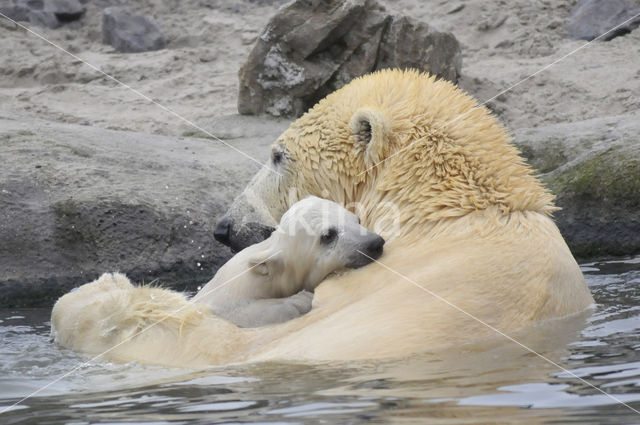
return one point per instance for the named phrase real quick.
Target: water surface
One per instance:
(495, 381)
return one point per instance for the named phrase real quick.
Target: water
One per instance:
(494, 381)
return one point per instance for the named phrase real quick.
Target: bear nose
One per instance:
(222, 232)
(374, 247)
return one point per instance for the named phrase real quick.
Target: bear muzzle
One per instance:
(370, 250)
(240, 237)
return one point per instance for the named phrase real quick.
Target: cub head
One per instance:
(316, 237)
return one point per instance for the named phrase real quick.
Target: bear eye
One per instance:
(328, 236)
(277, 157)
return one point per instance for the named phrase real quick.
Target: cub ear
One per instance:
(265, 263)
(371, 128)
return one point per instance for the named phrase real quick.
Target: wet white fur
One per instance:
(272, 281)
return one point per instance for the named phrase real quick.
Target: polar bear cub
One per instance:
(271, 282)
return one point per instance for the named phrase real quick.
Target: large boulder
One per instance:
(593, 167)
(311, 48)
(77, 201)
(130, 33)
(590, 19)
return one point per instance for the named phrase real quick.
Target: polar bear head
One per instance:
(315, 237)
(401, 149)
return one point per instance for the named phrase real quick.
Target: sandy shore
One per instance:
(196, 76)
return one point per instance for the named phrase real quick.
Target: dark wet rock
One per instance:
(313, 47)
(593, 167)
(591, 18)
(77, 201)
(131, 33)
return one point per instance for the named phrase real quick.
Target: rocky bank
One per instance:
(80, 200)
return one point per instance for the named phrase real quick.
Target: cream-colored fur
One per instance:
(270, 282)
(472, 225)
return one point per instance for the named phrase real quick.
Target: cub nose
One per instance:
(222, 231)
(374, 247)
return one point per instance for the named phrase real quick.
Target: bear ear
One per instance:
(265, 263)
(371, 129)
(258, 267)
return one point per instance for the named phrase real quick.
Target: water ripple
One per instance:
(488, 382)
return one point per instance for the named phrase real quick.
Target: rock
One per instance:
(48, 13)
(16, 12)
(593, 167)
(313, 47)
(44, 19)
(457, 8)
(591, 18)
(131, 33)
(411, 44)
(77, 201)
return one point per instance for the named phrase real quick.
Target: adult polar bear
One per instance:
(470, 223)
